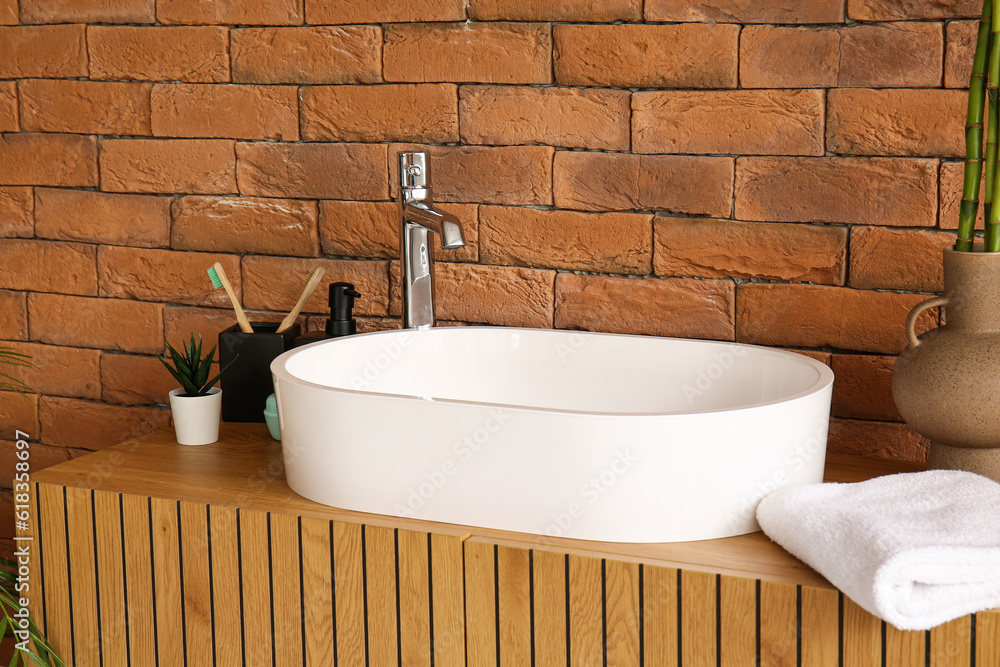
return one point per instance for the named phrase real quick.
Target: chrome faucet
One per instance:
(417, 217)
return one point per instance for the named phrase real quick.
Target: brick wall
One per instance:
(772, 172)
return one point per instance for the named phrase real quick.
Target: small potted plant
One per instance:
(196, 406)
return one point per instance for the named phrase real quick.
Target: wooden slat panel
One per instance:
(226, 586)
(862, 636)
(951, 643)
(380, 561)
(139, 580)
(287, 590)
(906, 649)
(256, 587)
(739, 621)
(697, 619)
(586, 637)
(820, 620)
(52, 523)
(35, 606)
(550, 608)
(110, 576)
(167, 578)
(778, 621)
(448, 592)
(622, 613)
(317, 592)
(414, 596)
(988, 637)
(80, 525)
(659, 601)
(480, 597)
(197, 598)
(349, 583)
(514, 600)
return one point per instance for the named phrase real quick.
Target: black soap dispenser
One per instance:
(341, 322)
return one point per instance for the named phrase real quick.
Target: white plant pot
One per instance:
(196, 418)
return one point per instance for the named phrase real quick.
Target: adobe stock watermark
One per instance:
(794, 461)
(462, 451)
(391, 350)
(706, 377)
(590, 492)
(20, 621)
(573, 344)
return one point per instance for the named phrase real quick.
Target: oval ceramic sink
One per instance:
(573, 434)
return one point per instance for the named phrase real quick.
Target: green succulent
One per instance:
(191, 369)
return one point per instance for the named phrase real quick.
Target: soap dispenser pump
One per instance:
(341, 321)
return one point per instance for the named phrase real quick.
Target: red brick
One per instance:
(48, 159)
(468, 52)
(741, 11)
(98, 217)
(273, 283)
(17, 212)
(352, 54)
(8, 107)
(58, 51)
(69, 422)
(876, 55)
(952, 178)
(233, 112)
(773, 251)
(165, 276)
(571, 117)
(48, 266)
(9, 12)
(392, 112)
(502, 296)
(601, 242)
(671, 307)
(13, 316)
(960, 37)
(868, 191)
(109, 324)
(902, 10)
(85, 107)
(748, 122)
(179, 322)
(371, 229)
(246, 224)
(646, 56)
(18, 413)
(579, 11)
(383, 11)
(59, 371)
(130, 379)
(88, 11)
(819, 316)
(332, 171)
(879, 440)
(862, 388)
(896, 122)
(197, 54)
(196, 166)
(622, 182)
(884, 258)
(231, 12)
(513, 175)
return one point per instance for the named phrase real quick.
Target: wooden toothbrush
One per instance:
(219, 279)
(311, 284)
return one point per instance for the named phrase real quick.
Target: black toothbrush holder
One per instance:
(247, 383)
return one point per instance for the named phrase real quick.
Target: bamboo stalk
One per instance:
(992, 241)
(974, 137)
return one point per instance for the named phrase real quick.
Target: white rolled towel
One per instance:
(915, 549)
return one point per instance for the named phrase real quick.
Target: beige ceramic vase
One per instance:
(946, 382)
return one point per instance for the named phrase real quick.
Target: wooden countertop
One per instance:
(244, 469)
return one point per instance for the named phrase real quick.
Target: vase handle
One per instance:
(911, 319)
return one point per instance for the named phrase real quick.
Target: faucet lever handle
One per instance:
(413, 171)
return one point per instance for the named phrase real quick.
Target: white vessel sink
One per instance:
(563, 433)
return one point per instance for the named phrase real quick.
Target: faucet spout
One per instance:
(418, 217)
